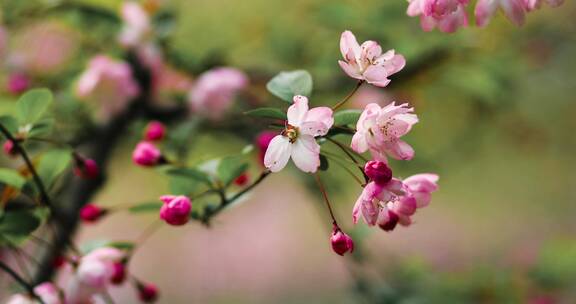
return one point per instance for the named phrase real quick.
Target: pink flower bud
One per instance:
(378, 171)
(9, 148)
(18, 83)
(119, 273)
(262, 141)
(148, 293)
(241, 180)
(86, 168)
(155, 130)
(176, 209)
(146, 154)
(341, 242)
(91, 213)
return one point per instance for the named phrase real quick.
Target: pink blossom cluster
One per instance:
(449, 15)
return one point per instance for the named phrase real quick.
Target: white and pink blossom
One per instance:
(366, 62)
(297, 139)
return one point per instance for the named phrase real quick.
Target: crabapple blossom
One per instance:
(213, 92)
(513, 9)
(155, 130)
(136, 24)
(341, 242)
(378, 130)
(108, 84)
(297, 139)
(86, 168)
(146, 154)
(91, 213)
(366, 62)
(420, 186)
(378, 171)
(446, 15)
(176, 209)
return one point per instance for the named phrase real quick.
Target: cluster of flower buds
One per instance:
(146, 153)
(449, 15)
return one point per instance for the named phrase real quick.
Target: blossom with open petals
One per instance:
(446, 15)
(366, 62)
(378, 130)
(513, 9)
(297, 140)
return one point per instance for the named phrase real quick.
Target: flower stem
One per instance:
(325, 195)
(343, 101)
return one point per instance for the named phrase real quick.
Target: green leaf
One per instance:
(181, 185)
(10, 123)
(52, 164)
(267, 113)
(230, 168)
(146, 207)
(323, 163)
(12, 178)
(42, 128)
(32, 105)
(122, 245)
(287, 84)
(346, 117)
(17, 225)
(190, 173)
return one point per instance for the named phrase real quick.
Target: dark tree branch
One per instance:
(28, 287)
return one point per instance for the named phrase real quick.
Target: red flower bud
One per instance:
(86, 168)
(176, 209)
(241, 180)
(9, 148)
(119, 274)
(262, 141)
(146, 154)
(91, 213)
(155, 130)
(148, 293)
(378, 171)
(341, 242)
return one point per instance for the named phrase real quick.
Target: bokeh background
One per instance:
(496, 109)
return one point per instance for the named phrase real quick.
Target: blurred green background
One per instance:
(496, 109)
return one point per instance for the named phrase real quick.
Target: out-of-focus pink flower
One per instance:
(446, 15)
(9, 148)
(108, 84)
(176, 209)
(366, 62)
(531, 5)
(513, 9)
(146, 154)
(86, 168)
(263, 141)
(395, 202)
(297, 140)
(378, 171)
(46, 291)
(147, 293)
(155, 130)
(17, 83)
(379, 130)
(341, 242)
(136, 27)
(91, 213)
(213, 92)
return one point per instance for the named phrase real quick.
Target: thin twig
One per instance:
(325, 195)
(28, 287)
(343, 101)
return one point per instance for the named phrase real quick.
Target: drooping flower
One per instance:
(366, 62)
(176, 209)
(136, 27)
(297, 139)
(513, 9)
(446, 15)
(378, 130)
(213, 93)
(146, 154)
(91, 213)
(108, 84)
(341, 242)
(155, 130)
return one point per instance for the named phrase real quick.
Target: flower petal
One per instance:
(306, 154)
(348, 42)
(399, 149)
(297, 111)
(278, 153)
(376, 75)
(350, 69)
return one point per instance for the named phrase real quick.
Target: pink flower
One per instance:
(108, 84)
(513, 9)
(379, 130)
(421, 186)
(91, 213)
(136, 27)
(378, 171)
(366, 62)
(262, 141)
(531, 5)
(148, 293)
(97, 267)
(155, 130)
(341, 242)
(146, 154)
(373, 198)
(176, 209)
(213, 93)
(86, 168)
(297, 139)
(446, 15)
(9, 148)
(18, 83)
